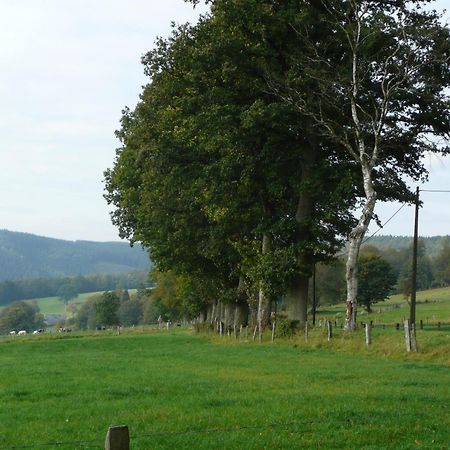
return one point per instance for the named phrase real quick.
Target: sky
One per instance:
(67, 69)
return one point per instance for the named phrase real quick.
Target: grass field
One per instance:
(177, 390)
(53, 305)
(432, 306)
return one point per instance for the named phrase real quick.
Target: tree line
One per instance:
(69, 287)
(264, 138)
(24, 255)
(385, 271)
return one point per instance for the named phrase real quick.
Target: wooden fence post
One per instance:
(306, 331)
(273, 330)
(117, 438)
(254, 332)
(413, 338)
(407, 335)
(329, 330)
(368, 334)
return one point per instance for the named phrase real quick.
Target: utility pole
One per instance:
(412, 313)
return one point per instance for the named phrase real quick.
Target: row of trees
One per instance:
(385, 271)
(69, 287)
(113, 308)
(263, 129)
(21, 316)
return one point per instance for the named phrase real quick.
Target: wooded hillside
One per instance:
(25, 255)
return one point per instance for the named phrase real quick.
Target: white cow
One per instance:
(12, 333)
(22, 333)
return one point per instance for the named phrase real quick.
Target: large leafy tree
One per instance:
(376, 280)
(20, 316)
(373, 78)
(217, 176)
(107, 309)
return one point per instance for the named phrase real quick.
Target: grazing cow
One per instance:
(13, 333)
(22, 333)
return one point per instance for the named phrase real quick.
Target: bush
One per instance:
(285, 327)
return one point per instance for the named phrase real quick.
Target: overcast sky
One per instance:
(67, 69)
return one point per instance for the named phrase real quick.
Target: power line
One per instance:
(385, 223)
(379, 229)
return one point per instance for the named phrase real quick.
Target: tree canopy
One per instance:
(241, 165)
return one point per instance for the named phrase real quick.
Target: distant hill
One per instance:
(24, 255)
(433, 244)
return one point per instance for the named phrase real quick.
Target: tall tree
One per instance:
(217, 176)
(376, 280)
(107, 309)
(374, 78)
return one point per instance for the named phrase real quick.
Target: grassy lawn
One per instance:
(176, 390)
(432, 306)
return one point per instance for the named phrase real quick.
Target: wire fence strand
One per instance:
(231, 429)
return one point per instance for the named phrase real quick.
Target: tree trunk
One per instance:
(241, 314)
(296, 295)
(296, 300)
(355, 240)
(263, 298)
(229, 315)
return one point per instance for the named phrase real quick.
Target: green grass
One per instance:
(432, 306)
(53, 305)
(234, 396)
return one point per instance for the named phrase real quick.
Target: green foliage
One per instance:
(330, 283)
(66, 292)
(441, 265)
(107, 309)
(86, 317)
(20, 316)
(285, 328)
(131, 312)
(174, 297)
(24, 255)
(376, 280)
(68, 286)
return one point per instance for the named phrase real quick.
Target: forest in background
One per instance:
(25, 256)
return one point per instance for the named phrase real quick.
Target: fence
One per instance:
(118, 436)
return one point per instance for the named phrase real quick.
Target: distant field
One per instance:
(53, 305)
(432, 306)
(176, 390)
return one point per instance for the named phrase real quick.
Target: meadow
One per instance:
(432, 306)
(175, 389)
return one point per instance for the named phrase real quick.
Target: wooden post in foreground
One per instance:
(329, 330)
(117, 438)
(407, 336)
(306, 331)
(368, 334)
